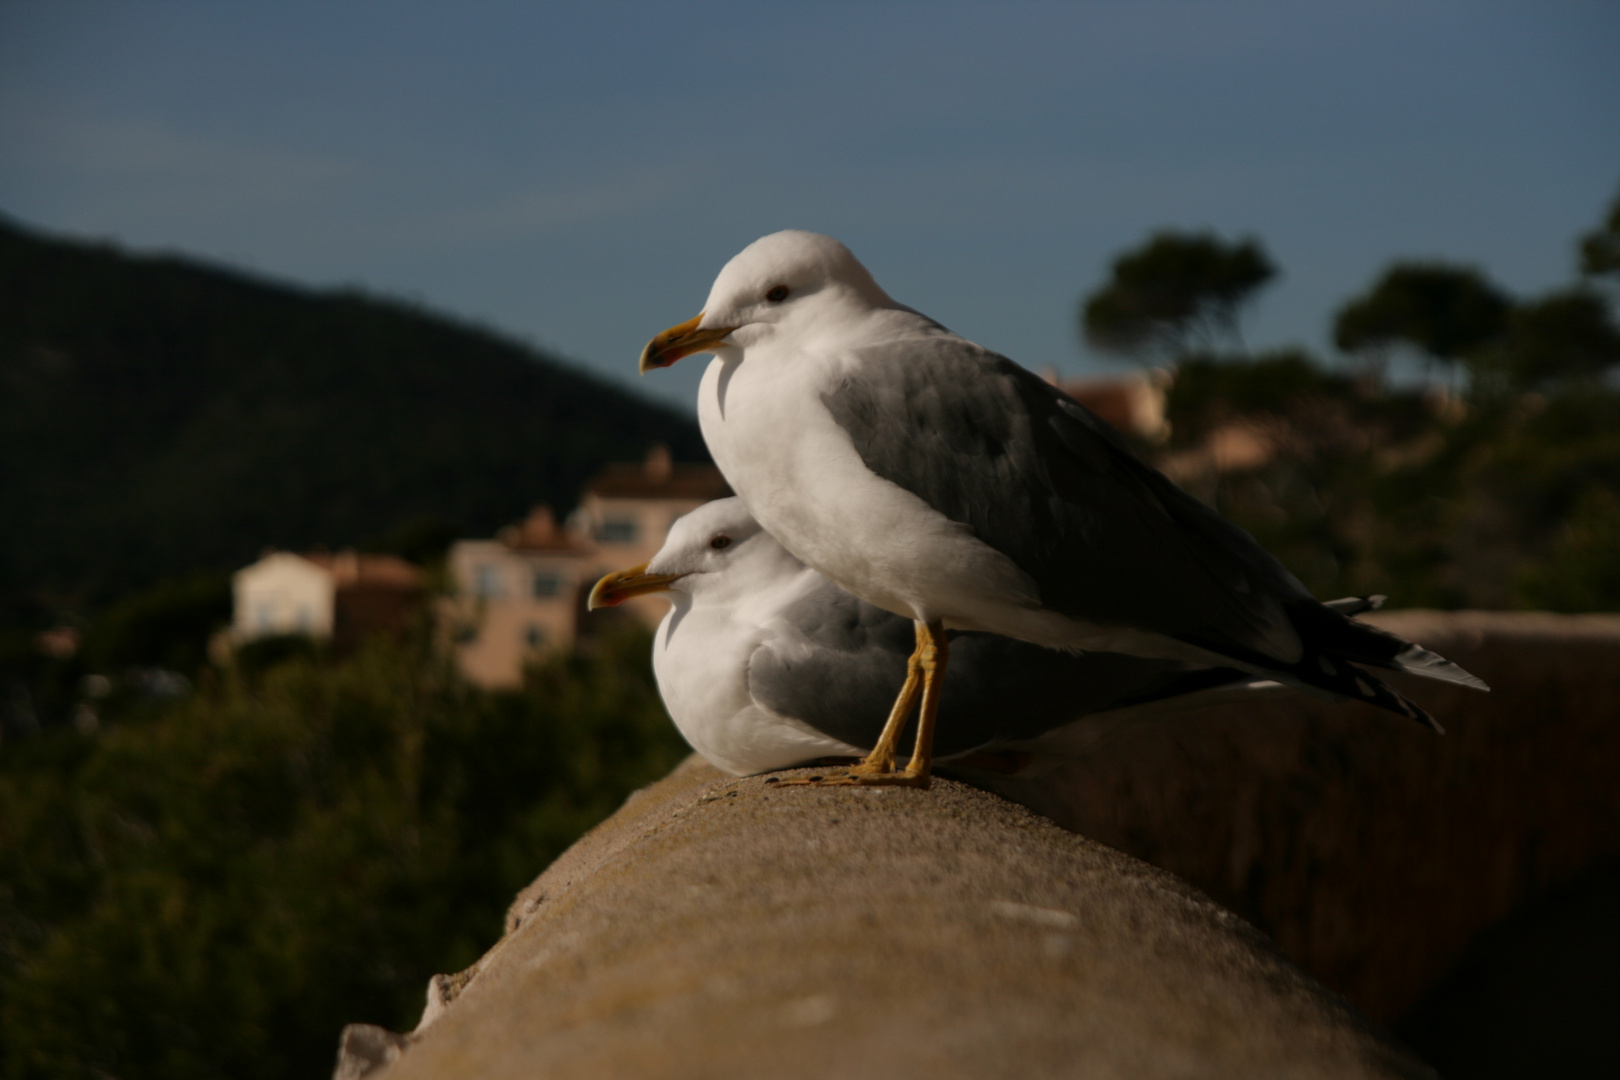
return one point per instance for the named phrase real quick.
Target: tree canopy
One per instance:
(1600, 248)
(1444, 311)
(1565, 336)
(1176, 291)
(1506, 494)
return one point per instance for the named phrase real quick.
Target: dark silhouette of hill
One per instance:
(159, 416)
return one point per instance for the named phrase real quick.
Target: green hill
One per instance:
(160, 416)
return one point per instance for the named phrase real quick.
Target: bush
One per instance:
(217, 891)
(1582, 572)
(164, 626)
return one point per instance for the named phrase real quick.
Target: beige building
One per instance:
(626, 509)
(515, 597)
(522, 594)
(331, 597)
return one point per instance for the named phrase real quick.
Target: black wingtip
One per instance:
(1375, 691)
(1416, 660)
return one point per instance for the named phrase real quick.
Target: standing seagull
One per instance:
(763, 663)
(941, 481)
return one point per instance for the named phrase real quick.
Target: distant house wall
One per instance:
(282, 593)
(509, 606)
(339, 598)
(627, 531)
(627, 508)
(365, 609)
(522, 594)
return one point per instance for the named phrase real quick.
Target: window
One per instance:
(618, 531)
(487, 580)
(534, 635)
(547, 583)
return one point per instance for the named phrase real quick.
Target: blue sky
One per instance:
(575, 175)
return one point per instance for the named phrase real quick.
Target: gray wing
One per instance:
(841, 671)
(1104, 535)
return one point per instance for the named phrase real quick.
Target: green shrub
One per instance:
(1582, 571)
(216, 891)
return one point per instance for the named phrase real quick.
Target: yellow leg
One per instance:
(926, 666)
(881, 760)
(935, 654)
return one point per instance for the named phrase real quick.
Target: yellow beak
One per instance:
(616, 588)
(679, 341)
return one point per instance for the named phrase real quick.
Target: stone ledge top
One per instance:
(733, 927)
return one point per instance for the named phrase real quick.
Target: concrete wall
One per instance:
(718, 927)
(1371, 850)
(721, 927)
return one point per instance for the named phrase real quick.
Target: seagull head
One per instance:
(717, 548)
(788, 280)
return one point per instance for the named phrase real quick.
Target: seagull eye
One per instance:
(778, 294)
(720, 541)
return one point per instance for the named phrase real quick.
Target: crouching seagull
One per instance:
(764, 663)
(942, 482)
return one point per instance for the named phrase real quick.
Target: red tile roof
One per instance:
(353, 570)
(540, 532)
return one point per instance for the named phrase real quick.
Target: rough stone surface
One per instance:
(836, 932)
(366, 1049)
(1369, 849)
(717, 927)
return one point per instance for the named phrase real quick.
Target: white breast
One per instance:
(801, 477)
(700, 658)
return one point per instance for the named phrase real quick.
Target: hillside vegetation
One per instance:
(160, 417)
(213, 887)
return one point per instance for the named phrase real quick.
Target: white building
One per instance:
(338, 598)
(282, 593)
